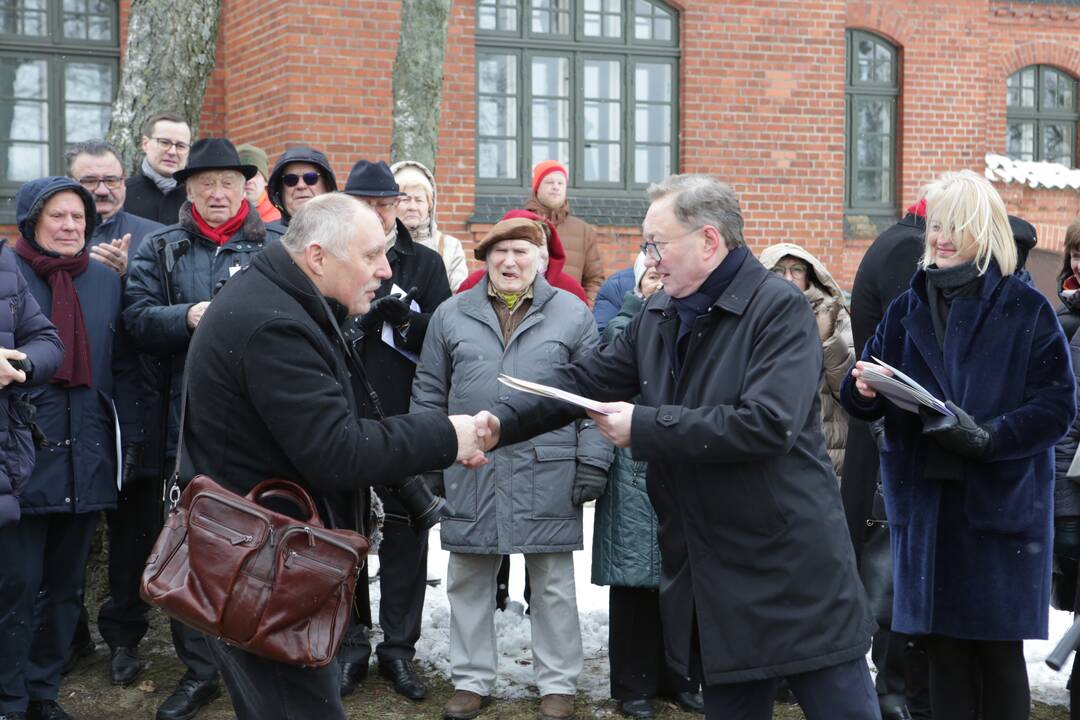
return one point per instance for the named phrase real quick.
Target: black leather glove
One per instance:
(960, 435)
(390, 309)
(589, 483)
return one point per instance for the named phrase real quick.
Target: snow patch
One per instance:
(1033, 174)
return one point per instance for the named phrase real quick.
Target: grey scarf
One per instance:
(164, 184)
(943, 285)
(391, 238)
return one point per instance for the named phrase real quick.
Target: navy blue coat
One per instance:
(27, 329)
(971, 557)
(610, 298)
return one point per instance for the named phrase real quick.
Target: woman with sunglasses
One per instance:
(300, 174)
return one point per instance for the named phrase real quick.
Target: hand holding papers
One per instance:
(553, 393)
(895, 386)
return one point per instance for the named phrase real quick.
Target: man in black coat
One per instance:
(758, 579)
(153, 192)
(300, 174)
(173, 278)
(389, 339)
(270, 394)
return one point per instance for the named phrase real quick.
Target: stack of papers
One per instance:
(901, 390)
(550, 392)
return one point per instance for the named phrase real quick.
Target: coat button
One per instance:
(67, 442)
(67, 500)
(667, 418)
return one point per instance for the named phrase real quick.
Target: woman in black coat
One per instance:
(1068, 282)
(969, 494)
(77, 460)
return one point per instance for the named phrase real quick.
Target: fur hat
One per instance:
(513, 229)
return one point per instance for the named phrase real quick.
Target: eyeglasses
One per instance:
(651, 248)
(309, 178)
(167, 144)
(382, 203)
(797, 271)
(90, 182)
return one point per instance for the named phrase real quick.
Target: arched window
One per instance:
(58, 76)
(871, 90)
(591, 83)
(1040, 103)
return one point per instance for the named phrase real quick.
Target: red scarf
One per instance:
(66, 314)
(225, 230)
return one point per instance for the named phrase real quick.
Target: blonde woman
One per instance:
(970, 496)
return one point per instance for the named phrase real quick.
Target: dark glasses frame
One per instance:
(309, 178)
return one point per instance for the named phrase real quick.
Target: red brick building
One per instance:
(825, 115)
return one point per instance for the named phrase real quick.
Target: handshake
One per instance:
(476, 435)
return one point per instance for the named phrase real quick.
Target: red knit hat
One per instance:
(545, 167)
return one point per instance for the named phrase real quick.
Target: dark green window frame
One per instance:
(647, 44)
(1031, 104)
(62, 52)
(870, 187)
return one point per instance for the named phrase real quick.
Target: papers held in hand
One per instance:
(901, 390)
(553, 393)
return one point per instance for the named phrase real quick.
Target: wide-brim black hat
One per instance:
(372, 179)
(214, 154)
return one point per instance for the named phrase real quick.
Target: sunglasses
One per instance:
(309, 178)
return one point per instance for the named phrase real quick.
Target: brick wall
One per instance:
(761, 101)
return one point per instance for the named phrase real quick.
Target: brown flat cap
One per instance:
(513, 229)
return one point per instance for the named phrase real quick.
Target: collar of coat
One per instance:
(278, 266)
(403, 244)
(992, 278)
(474, 301)
(734, 300)
(252, 231)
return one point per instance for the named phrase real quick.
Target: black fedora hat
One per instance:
(372, 179)
(214, 154)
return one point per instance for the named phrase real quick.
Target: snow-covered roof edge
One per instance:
(1033, 174)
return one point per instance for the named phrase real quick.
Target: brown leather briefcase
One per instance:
(261, 580)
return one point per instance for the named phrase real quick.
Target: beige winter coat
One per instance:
(581, 243)
(838, 348)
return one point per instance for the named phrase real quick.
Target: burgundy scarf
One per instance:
(67, 314)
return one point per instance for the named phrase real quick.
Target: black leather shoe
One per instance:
(352, 674)
(46, 710)
(637, 709)
(124, 666)
(75, 654)
(690, 702)
(189, 697)
(406, 682)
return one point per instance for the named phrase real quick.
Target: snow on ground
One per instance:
(515, 679)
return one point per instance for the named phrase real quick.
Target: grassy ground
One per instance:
(87, 694)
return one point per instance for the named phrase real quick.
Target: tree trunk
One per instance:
(169, 56)
(418, 73)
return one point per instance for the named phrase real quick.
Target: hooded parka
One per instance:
(838, 352)
(430, 236)
(300, 153)
(755, 554)
(520, 502)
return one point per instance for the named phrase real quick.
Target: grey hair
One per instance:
(95, 148)
(701, 200)
(329, 220)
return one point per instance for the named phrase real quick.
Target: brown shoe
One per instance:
(556, 707)
(465, 705)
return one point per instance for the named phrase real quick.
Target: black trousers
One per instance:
(402, 588)
(133, 529)
(262, 689)
(969, 675)
(502, 584)
(840, 692)
(636, 647)
(42, 568)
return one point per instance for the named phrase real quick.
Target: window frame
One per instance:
(854, 92)
(628, 50)
(1038, 116)
(59, 52)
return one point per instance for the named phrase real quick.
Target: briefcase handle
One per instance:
(277, 490)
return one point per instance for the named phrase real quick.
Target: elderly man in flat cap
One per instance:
(528, 498)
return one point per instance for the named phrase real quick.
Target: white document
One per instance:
(119, 449)
(551, 392)
(901, 390)
(387, 334)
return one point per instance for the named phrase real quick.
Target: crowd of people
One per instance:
(763, 516)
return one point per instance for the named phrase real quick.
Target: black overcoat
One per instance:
(755, 552)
